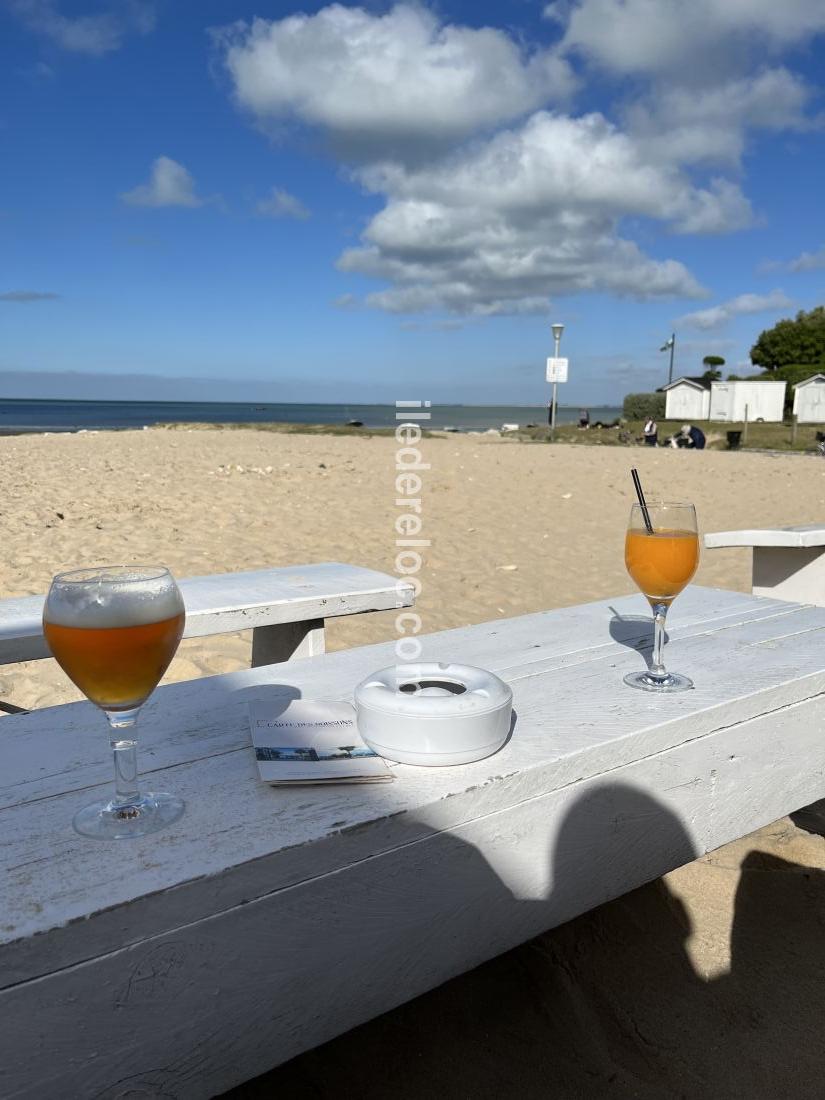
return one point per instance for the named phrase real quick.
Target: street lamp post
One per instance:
(670, 345)
(558, 329)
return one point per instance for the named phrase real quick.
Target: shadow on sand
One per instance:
(607, 1004)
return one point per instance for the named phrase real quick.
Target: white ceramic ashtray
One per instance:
(434, 714)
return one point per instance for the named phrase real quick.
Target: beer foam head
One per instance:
(112, 596)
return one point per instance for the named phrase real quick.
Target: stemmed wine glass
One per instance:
(114, 630)
(661, 557)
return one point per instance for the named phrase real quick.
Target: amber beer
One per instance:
(661, 563)
(114, 631)
(117, 667)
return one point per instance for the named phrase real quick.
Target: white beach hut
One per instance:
(809, 400)
(687, 399)
(763, 400)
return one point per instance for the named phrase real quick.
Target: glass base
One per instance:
(105, 821)
(646, 681)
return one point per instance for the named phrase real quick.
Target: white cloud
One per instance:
(169, 185)
(492, 201)
(280, 204)
(808, 261)
(805, 261)
(346, 301)
(554, 161)
(744, 303)
(688, 125)
(692, 38)
(398, 78)
(90, 34)
(534, 211)
(23, 296)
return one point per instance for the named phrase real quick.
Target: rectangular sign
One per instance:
(556, 370)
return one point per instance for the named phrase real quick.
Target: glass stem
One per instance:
(657, 666)
(124, 749)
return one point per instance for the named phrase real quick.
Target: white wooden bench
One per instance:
(268, 920)
(285, 609)
(788, 562)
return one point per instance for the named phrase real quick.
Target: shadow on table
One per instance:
(635, 632)
(608, 1004)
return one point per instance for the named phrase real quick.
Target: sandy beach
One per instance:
(514, 528)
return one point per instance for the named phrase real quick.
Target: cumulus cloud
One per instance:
(280, 204)
(689, 125)
(744, 303)
(401, 79)
(492, 198)
(90, 34)
(805, 261)
(169, 185)
(23, 296)
(534, 211)
(691, 39)
(808, 261)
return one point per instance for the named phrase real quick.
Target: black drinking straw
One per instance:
(634, 473)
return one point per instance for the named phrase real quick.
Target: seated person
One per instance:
(694, 437)
(651, 432)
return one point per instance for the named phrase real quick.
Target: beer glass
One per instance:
(114, 630)
(661, 562)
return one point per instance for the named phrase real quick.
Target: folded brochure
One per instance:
(311, 741)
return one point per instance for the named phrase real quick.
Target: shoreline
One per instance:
(805, 442)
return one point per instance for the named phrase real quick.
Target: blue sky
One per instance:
(363, 203)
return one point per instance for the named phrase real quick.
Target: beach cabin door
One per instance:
(721, 399)
(811, 402)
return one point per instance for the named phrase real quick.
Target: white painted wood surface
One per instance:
(788, 562)
(287, 642)
(226, 602)
(269, 920)
(800, 535)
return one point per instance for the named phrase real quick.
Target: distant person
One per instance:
(584, 418)
(694, 437)
(651, 432)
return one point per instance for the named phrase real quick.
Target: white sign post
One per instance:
(556, 370)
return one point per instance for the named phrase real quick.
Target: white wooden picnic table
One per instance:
(269, 920)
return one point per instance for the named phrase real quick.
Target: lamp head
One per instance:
(558, 329)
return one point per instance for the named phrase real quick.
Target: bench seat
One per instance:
(285, 608)
(788, 562)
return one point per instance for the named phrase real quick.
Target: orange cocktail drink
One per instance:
(661, 552)
(661, 563)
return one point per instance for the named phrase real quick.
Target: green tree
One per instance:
(712, 363)
(801, 340)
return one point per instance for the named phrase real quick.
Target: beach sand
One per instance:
(514, 528)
